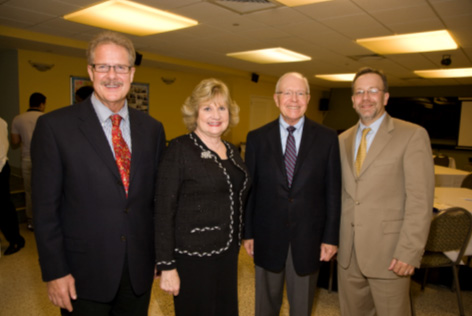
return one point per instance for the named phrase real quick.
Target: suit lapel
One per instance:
(382, 138)
(275, 146)
(349, 144)
(93, 132)
(308, 137)
(136, 135)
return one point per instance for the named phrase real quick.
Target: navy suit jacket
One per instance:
(84, 224)
(302, 216)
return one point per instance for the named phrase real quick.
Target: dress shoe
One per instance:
(15, 247)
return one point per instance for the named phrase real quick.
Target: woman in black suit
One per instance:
(201, 191)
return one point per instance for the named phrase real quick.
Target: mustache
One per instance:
(111, 83)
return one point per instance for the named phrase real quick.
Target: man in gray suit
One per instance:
(94, 171)
(387, 203)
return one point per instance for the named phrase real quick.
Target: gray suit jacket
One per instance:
(386, 211)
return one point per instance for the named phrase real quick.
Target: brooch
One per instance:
(205, 155)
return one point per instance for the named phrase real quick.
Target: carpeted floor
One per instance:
(22, 293)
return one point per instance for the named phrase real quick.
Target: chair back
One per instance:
(450, 231)
(467, 182)
(441, 160)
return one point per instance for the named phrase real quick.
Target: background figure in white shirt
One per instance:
(8, 216)
(21, 132)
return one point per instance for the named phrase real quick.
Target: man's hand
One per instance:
(249, 246)
(327, 252)
(61, 290)
(170, 282)
(401, 268)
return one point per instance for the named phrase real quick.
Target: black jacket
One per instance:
(302, 216)
(194, 209)
(84, 224)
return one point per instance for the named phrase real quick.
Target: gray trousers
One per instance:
(270, 286)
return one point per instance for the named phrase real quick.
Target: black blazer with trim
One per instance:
(303, 216)
(195, 206)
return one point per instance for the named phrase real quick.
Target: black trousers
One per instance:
(8, 216)
(208, 286)
(125, 303)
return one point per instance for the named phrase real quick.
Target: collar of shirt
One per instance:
(104, 113)
(374, 127)
(297, 134)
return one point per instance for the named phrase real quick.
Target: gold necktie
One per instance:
(361, 152)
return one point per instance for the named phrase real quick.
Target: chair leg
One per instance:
(458, 289)
(412, 307)
(332, 266)
(425, 277)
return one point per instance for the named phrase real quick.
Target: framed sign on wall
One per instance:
(138, 96)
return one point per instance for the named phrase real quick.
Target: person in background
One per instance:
(292, 215)
(387, 203)
(202, 188)
(8, 216)
(21, 133)
(83, 93)
(94, 171)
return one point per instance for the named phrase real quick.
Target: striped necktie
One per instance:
(361, 152)
(122, 153)
(290, 155)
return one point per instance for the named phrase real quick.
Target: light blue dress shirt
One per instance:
(104, 114)
(297, 134)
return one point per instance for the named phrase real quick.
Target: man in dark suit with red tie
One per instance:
(292, 216)
(94, 171)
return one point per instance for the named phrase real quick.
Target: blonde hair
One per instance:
(207, 90)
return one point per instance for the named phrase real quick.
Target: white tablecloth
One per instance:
(445, 198)
(448, 177)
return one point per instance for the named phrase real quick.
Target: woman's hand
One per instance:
(170, 282)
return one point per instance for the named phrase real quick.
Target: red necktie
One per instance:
(122, 153)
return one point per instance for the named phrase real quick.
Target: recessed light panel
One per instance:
(337, 77)
(410, 43)
(130, 17)
(445, 73)
(270, 56)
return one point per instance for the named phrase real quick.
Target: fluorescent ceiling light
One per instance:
(337, 77)
(295, 3)
(130, 17)
(270, 56)
(410, 43)
(445, 73)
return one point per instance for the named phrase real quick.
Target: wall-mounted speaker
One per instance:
(139, 58)
(324, 104)
(254, 77)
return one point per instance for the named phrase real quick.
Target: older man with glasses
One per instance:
(292, 216)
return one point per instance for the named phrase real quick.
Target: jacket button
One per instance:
(357, 203)
(123, 238)
(126, 210)
(290, 200)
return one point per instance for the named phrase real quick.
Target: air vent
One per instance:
(246, 6)
(367, 57)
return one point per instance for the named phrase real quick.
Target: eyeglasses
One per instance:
(104, 68)
(370, 92)
(288, 94)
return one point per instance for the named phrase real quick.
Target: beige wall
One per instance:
(165, 100)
